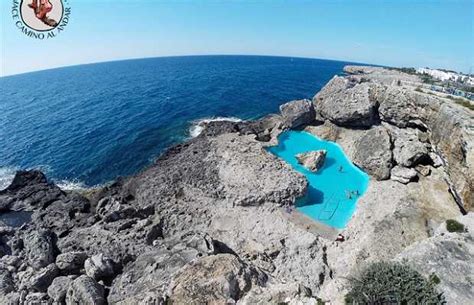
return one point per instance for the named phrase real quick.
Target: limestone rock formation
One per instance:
(216, 279)
(99, 267)
(85, 290)
(449, 257)
(402, 174)
(297, 113)
(313, 160)
(58, 288)
(373, 153)
(39, 248)
(346, 103)
(205, 221)
(71, 262)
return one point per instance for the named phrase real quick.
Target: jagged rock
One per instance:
(39, 248)
(297, 113)
(71, 262)
(449, 256)
(347, 104)
(216, 279)
(43, 278)
(327, 131)
(401, 107)
(28, 190)
(313, 160)
(99, 267)
(436, 159)
(111, 209)
(58, 288)
(373, 153)
(149, 275)
(11, 260)
(403, 175)
(261, 128)
(408, 151)
(85, 290)
(12, 298)
(36, 298)
(291, 294)
(6, 282)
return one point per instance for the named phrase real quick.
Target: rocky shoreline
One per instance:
(205, 223)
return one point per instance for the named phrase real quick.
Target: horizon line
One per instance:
(188, 55)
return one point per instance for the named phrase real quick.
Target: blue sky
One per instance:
(399, 33)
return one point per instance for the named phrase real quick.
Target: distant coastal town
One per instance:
(445, 81)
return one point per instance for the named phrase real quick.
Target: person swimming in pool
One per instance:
(41, 9)
(341, 169)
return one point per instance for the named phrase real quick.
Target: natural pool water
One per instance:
(327, 199)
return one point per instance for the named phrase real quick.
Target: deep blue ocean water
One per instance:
(92, 123)
(334, 189)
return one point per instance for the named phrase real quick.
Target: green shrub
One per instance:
(454, 226)
(393, 283)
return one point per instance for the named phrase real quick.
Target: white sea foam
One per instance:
(66, 185)
(198, 126)
(8, 173)
(6, 176)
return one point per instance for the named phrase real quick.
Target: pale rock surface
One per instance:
(402, 174)
(216, 279)
(408, 150)
(297, 113)
(346, 103)
(99, 267)
(373, 153)
(85, 290)
(291, 294)
(449, 256)
(313, 160)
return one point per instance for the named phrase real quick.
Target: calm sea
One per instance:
(86, 125)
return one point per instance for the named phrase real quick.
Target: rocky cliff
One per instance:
(205, 224)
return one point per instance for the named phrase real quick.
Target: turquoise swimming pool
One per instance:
(334, 189)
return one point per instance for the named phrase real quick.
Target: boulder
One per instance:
(99, 267)
(313, 160)
(408, 150)
(58, 288)
(403, 175)
(373, 153)
(39, 248)
(28, 190)
(71, 262)
(297, 113)
(43, 278)
(216, 279)
(449, 257)
(85, 290)
(346, 103)
(149, 275)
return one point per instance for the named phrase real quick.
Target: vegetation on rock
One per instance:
(393, 283)
(454, 226)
